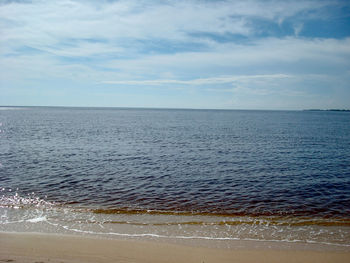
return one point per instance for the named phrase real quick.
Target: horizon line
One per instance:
(151, 108)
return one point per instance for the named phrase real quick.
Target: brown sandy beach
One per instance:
(24, 247)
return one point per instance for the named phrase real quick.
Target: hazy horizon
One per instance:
(163, 108)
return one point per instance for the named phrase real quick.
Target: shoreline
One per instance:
(38, 247)
(222, 231)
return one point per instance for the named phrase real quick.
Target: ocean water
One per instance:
(186, 174)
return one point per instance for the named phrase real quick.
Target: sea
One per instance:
(181, 174)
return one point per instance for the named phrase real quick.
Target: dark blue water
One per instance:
(207, 161)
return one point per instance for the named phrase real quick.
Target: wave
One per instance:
(17, 201)
(31, 213)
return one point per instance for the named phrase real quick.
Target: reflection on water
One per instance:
(228, 162)
(32, 214)
(266, 175)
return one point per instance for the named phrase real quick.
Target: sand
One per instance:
(39, 248)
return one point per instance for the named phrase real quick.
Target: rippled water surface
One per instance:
(245, 163)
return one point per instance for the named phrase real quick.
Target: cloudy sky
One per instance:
(176, 54)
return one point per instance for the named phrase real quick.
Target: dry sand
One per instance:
(39, 248)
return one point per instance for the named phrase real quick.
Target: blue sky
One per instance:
(176, 54)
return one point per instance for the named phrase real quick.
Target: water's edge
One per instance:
(24, 214)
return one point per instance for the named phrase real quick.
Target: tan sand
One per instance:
(39, 248)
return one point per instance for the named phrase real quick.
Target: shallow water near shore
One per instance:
(183, 174)
(45, 217)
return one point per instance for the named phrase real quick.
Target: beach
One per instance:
(31, 247)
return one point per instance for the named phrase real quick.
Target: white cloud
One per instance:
(298, 28)
(47, 23)
(162, 43)
(124, 29)
(267, 55)
(201, 81)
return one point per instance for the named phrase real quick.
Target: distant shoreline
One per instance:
(327, 110)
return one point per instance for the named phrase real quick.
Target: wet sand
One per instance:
(39, 248)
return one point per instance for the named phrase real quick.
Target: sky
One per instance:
(278, 55)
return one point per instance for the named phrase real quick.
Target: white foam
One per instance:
(202, 237)
(37, 219)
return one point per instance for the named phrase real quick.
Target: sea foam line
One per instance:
(197, 237)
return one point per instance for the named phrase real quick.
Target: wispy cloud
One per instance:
(247, 47)
(298, 28)
(201, 81)
(51, 25)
